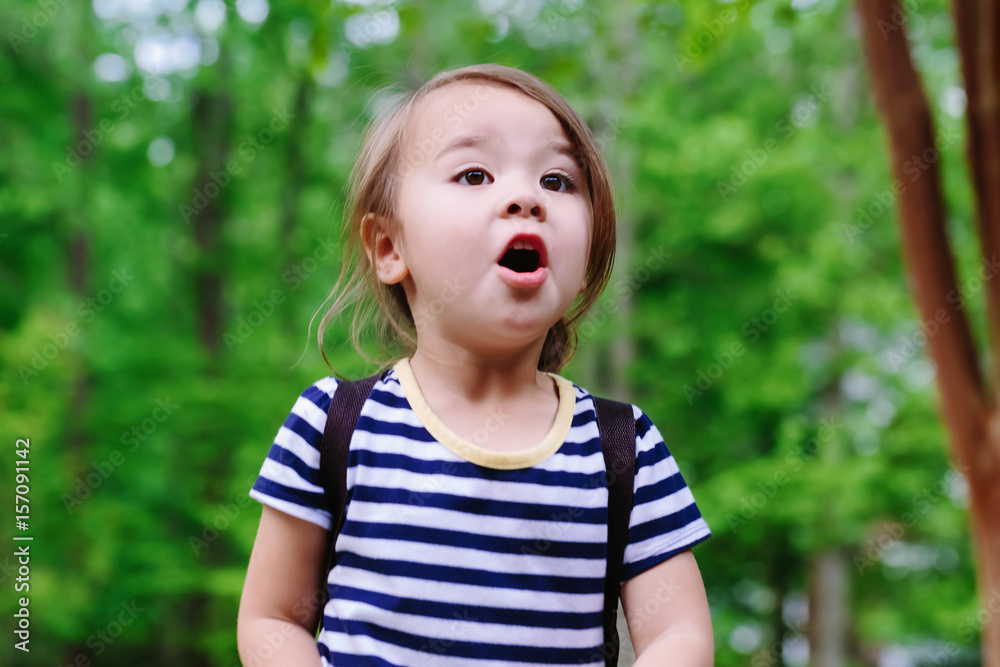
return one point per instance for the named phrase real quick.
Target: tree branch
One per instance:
(976, 28)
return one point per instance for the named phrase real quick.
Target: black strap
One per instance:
(341, 419)
(616, 425)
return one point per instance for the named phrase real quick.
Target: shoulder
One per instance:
(320, 393)
(308, 413)
(643, 424)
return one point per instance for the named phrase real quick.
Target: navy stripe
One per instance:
(631, 570)
(318, 397)
(348, 660)
(488, 543)
(287, 457)
(304, 429)
(650, 457)
(642, 425)
(473, 650)
(661, 489)
(472, 577)
(531, 618)
(663, 524)
(583, 418)
(389, 399)
(379, 427)
(308, 499)
(574, 480)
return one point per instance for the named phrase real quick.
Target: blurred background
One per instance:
(171, 183)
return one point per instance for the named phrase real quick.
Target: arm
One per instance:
(668, 616)
(280, 603)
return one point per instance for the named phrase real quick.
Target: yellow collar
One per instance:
(489, 458)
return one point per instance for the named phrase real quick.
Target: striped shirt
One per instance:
(454, 554)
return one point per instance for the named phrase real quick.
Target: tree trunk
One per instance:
(78, 276)
(212, 117)
(828, 609)
(295, 166)
(968, 406)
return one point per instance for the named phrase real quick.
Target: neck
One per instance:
(443, 367)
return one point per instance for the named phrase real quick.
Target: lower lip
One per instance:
(523, 280)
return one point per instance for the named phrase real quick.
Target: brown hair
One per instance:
(373, 188)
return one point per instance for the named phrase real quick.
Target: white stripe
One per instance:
(666, 542)
(310, 412)
(327, 385)
(661, 507)
(383, 443)
(390, 414)
(320, 518)
(439, 554)
(286, 476)
(461, 594)
(296, 444)
(397, 478)
(364, 645)
(465, 628)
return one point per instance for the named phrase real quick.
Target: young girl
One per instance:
(482, 225)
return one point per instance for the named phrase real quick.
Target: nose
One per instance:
(524, 203)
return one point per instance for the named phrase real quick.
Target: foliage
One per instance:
(775, 345)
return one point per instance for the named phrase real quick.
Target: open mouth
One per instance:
(520, 260)
(524, 254)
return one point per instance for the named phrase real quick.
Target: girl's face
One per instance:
(495, 219)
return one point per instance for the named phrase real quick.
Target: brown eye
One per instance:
(555, 182)
(474, 177)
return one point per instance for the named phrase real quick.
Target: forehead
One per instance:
(479, 108)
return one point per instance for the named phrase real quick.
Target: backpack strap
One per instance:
(616, 425)
(341, 419)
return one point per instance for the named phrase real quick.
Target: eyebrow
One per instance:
(477, 140)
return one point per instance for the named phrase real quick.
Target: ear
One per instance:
(383, 250)
(583, 286)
